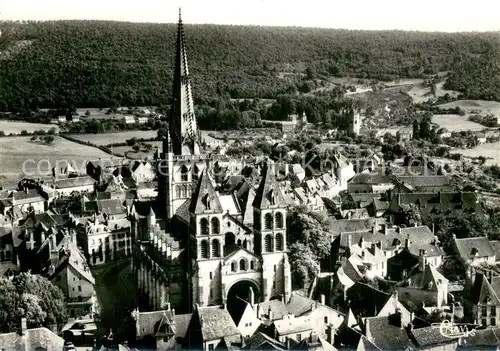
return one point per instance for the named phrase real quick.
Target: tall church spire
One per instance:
(183, 126)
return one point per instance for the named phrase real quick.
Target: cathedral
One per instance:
(199, 243)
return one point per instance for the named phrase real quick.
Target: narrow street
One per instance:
(114, 288)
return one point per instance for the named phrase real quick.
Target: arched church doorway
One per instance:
(240, 293)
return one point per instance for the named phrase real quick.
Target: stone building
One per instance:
(208, 247)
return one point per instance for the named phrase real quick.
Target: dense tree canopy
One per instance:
(99, 63)
(32, 297)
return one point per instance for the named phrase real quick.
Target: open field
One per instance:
(456, 123)
(141, 155)
(489, 150)
(16, 127)
(475, 106)
(422, 93)
(119, 137)
(38, 159)
(401, 82)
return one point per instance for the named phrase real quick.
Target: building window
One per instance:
(299, 337)
(243, 265)
(326, 319)
(204, 249)
(279, 220)
(484, 322)
(279, 242)
(177, 192)
(210, 346)
(233, 266)
(268, 243)
(196, 171)
(184, 173)
(252, 265)
(493, 321)
(215, 225)
(484, 311)
(211, 275)
(215, 248)
(275, 268)
(274, 284)
(493, 311)
(268, 221)
(204, 226)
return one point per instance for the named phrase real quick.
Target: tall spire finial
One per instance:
(180, 19)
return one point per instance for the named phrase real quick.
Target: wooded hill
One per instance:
(101, 63)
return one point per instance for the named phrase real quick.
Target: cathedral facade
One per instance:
(214, 246)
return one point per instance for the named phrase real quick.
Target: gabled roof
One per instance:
(423, 279)
(430, 336)
(149, 322)
(74, 182)
(260, 341)
(385, 335)
(215, 323)
(366, 345)
(291, 325)
(110, 207)
(34, 339)
(269, 192)
(468, 247)
(277, 307)
(28, 196)
(336, 227)
(205, 199)
(483, 290)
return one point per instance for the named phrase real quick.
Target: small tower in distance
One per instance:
(354, 122)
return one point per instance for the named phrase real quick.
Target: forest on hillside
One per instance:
(100, 63)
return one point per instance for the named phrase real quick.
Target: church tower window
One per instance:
(233, 266)
(215, 248)
(215, 225)
(279, 220)
(204, 226)
(268, 221)
(279, 242)
(268, 243)
(204, 249)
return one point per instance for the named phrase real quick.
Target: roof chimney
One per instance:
(422, 260)
(270, 313)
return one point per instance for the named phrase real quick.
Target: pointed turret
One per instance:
(269, 193)
(182, 125)
(205, 199)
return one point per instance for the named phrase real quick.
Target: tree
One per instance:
(416, 130)
(52, 131)
(452, 268)
(311, 230)
(303, 264)
(408, 216)
(24, 132)
(48, 139)
(136, 147)
(132, 141)
(33, 138)
(33, 297)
